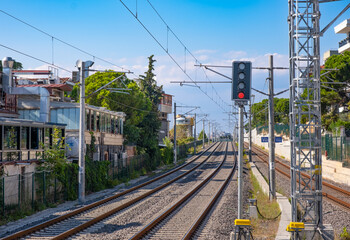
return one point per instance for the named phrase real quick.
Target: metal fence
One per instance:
(336, 148)
(33, 191)
(185, 149)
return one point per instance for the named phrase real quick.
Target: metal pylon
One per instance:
(305, 111)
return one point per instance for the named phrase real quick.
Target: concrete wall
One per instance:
(332, 170)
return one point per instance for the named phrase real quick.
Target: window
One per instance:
(93, 117)
(98, 122)
(11, 137)
(37, 137)
(112, 124)
(25, 138)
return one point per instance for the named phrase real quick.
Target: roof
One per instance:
(34, 72)
(28, 123)
(49, 87)
(32, 104)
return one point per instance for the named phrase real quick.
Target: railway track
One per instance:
(182, 218)
(81, 218)
(330, 191)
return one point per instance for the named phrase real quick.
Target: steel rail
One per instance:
(204, 213)
(56, 220)
(327, 195)
(160, 218)
(305, 175)
(93, 221)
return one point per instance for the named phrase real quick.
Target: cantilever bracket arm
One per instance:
(223, 75)
(335, 19)
(106, 85)
(260, 92)
(281, 92)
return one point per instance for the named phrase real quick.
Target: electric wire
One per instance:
(35, 58)
(186, 49)
(62, 41)
(128, 106)
(167, 52)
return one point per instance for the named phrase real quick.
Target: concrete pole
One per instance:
(195, 132)
(240, 163)
(81, 177)
(208, 133)
(250, 129)
(203, 135)
(272, 183)
(175, 150)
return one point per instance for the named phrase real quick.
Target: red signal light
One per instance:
(240, 95)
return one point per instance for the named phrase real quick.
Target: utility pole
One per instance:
(203, 135)
(175, 150)
(194, 134)
(272, 193)
(83, 68)
(208, 133)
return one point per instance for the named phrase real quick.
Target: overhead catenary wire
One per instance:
(62, 41)
(128, 106)
(165, 49)
(35, 58)
(186, 49)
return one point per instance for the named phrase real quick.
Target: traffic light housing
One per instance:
(241, 81)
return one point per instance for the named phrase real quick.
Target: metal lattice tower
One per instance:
(305, 111)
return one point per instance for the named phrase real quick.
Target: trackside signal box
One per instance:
(241, 81)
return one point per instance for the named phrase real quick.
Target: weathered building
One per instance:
(165, 108)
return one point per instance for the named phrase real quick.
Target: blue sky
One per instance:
(216, 32)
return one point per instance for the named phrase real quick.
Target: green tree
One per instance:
(127, 103)
(200, 136)
(151, 124)
(148, 84)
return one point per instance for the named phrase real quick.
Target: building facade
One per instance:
(165, 108)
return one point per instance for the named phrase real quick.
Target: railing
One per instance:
(336, 148)
(344, 42)
(183, 150)
(33, 191)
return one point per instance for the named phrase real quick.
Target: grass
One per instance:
(264, 228)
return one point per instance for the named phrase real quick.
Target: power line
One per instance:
(125, 105)
(38, 59)
(167, 52)
(186, 49)
(62, 41)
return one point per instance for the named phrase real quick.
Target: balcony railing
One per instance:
(344, 42)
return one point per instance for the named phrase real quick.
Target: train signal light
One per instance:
(241, 81)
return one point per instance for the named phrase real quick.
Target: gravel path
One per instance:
(333, 214)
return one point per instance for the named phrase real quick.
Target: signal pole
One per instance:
(240, 162)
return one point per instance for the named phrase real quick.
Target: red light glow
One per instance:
(240, 95)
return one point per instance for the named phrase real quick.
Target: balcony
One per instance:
(344, 45)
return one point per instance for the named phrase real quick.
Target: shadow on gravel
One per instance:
(110, 228)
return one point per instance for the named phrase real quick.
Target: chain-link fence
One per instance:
(336, 148)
